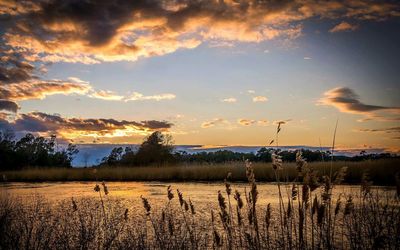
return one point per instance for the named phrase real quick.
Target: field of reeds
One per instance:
(381, 172)
(307, 216)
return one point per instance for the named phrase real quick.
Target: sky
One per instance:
(207, 72)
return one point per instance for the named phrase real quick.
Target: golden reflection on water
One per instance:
(203, 195)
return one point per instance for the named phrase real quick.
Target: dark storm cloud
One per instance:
(8, 106)
(74, 30)
(14, 69)
(42, 122)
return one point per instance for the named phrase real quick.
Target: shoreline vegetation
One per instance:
(381, 172)
(307, 216)
(37, 159)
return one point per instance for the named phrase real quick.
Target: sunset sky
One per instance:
(206, 72)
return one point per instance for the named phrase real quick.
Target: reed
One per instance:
(381, 172)
(368, 219)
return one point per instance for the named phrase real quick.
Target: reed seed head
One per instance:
(146, 205)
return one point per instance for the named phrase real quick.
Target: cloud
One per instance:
(106, 95)
(282, 122)
(263, 122)
(70, 128)
(13, 69)
(344, 26)
(76, 79)
(307, 58)
(381, 130)
(260, 99)
(246, 122)
(136, 96)
(40, 89)
(214, 122)
(230, 100)
(10, 106)
(347, 101)
(89, 32)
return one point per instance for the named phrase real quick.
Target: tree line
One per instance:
(156, 149)
(33, 151)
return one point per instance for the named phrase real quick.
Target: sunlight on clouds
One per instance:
(260, 99)
(346, 100)
(136, 96)
(230, 100)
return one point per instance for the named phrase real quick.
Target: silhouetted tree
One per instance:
(33, 151)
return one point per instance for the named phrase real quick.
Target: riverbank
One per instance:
(380, 172)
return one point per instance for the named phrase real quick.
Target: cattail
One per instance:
(365, 184)
(170, 226)
(74, 205)
(315, 206)
(276, 161)
(146, 205)
(105, 188)
(185, 205)
(300, 162)
(239, 216)
(227, 184)
(311, 180)
(326, 195)
(305, 195)
(238, 199)
(340, 175)
(191, 207)
(163, 216)
(268, 213)
(249, 171)
(397, 177)
(221, 201)
(294, 192)
(349, 207)
(180, 197)
(97, 188)
(170, 195)
(320, 213)
(222, 205)
(126, 215)
(337, 207)
(217, 238)
(289, 209)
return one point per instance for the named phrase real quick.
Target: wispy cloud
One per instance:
(136, 96)
(40, 89)
(260, 99)
(250, 122)
(106, 95)
(347, 101)
(214, 122)
(230, 100)
(246, 122)
(381, 130)
(344, 26)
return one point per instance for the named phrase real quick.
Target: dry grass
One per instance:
(381, 172)
(307, 217)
